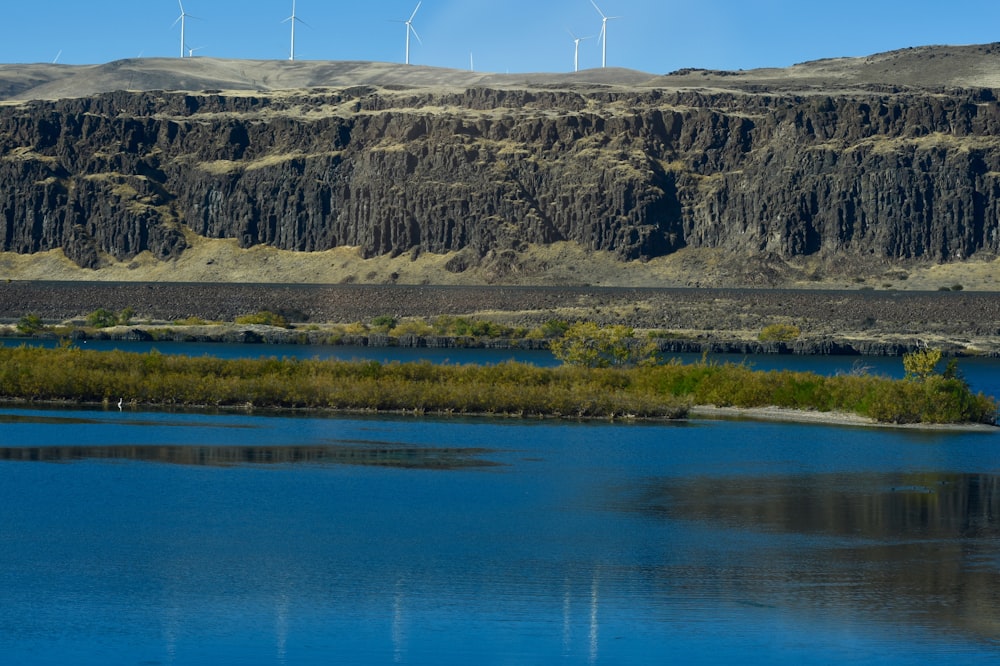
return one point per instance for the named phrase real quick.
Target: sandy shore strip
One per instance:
(825, 418)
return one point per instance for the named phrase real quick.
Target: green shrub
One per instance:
(920, 364)
(191, 321)
(102, 318)
(383, 323)
(263, 317)
(591, 346)
(779, 333)
(30, 324)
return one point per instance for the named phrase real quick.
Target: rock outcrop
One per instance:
(873, 172)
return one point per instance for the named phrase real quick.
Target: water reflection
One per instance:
(863, 506)
(29, 419)
(921, 546)
(342, 453)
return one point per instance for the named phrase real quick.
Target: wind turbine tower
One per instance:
(604, 33)
(409, 29)
(291, 19)
(576, 52)
(182, 19)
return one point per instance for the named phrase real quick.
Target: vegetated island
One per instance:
(600, 379)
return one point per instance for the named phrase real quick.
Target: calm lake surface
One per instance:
(196, 538)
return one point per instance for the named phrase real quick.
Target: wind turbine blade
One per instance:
(414, 31)
(181, 5)
(416, 10)
(598, 9)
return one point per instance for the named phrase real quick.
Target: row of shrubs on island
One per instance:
(444, 325)
(599, 379)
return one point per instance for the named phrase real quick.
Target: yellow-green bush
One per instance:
(263, 317)
(779, 333)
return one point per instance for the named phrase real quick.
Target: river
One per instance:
(197, 538)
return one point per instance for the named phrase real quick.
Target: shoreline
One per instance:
(331, 334)
(864, 323)
(694, 413)
(786, 415)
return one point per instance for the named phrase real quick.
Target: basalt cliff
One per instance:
(892, 159)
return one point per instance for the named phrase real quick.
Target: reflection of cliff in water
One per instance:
(923, 547)
(351, 453)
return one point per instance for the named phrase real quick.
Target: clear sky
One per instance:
(655, 36)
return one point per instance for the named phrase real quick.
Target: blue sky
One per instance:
(502, 35)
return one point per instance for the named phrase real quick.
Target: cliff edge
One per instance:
(836, 168)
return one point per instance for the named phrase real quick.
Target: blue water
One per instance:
(172, 538)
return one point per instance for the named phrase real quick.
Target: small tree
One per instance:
(920, 364)
(589, 345)
(384, 323)
(263, 317)
(30, 324)
(102, 318)
(779, 333)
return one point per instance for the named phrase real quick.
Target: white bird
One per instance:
(120, 401)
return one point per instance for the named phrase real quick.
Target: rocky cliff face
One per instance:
(871, 173)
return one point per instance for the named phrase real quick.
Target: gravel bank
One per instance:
(958, 318)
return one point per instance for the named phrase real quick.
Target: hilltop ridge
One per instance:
(922, 67)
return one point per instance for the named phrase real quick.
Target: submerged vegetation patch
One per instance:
(665, 390)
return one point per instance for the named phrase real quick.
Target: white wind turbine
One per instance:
(292, 19)
(192, 50)
(409, 29)
(182, 19)
(604, 33)
(576, 52)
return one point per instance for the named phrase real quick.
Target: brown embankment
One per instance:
(954, 320)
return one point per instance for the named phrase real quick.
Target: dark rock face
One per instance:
(885, 174)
